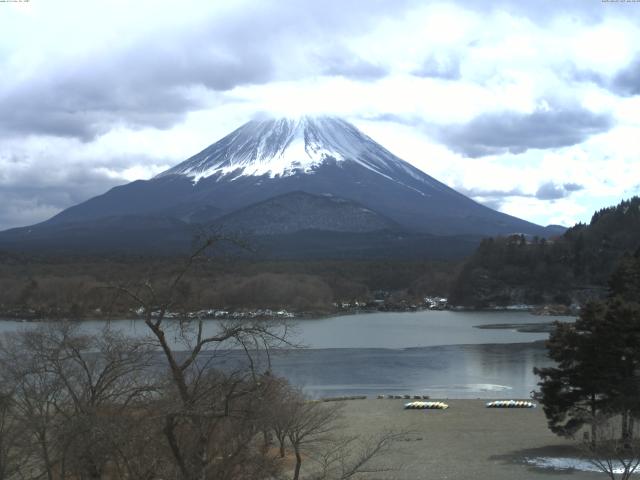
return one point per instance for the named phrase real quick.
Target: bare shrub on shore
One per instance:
(190, 401)
(71, 391)
(616, 455)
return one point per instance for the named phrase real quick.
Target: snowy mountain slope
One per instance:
(319, 156)
(285, 147)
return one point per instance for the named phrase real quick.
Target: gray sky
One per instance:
(532, 108)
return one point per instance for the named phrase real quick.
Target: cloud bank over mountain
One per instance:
(487, 96)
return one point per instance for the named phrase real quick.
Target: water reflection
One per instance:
(454, 371)
(435, 353)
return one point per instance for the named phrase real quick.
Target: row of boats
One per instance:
(511, 404)
(495, 404)
(426, 405)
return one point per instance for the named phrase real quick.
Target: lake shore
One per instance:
(29, 315)
(466, 441)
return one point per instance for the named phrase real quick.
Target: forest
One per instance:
(566, 270)
(53, 287)
(569, 269)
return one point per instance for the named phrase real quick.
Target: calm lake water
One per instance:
(438, 353)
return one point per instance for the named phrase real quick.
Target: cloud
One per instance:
(624, 82)
(513, 132)
(152, 85)
(480, 192)
(550, 191)
(553, 191)
(627, 81)
(491, 198)
(493, 203)
(25, 204)
(495, 198)
(157, 77)
(18, 210)
(439, 66)
(573, 187)
(351, 66)
(443, 83)
(584, 75)
(546, 11)
(35, 188)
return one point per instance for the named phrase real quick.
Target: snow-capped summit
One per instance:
(286, 146)
(310, 183)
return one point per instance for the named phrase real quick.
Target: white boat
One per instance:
(426, 405)
(511, 404)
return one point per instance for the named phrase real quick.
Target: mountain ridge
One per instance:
(298, 211)
(320, 156)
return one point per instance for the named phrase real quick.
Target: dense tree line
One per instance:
(62, 287)
(572, 268)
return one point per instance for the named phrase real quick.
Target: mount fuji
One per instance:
(287, 182)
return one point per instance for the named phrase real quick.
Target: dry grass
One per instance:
(466, 441)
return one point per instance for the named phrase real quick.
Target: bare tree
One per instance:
(71, 393)
(211, 409)
(616, 455)
(36, 392)
(86, 407)
(12, 438)
(350, 456)
(280, 401)
(313, 429)
(311, 425)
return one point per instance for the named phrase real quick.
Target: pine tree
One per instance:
(625, 281)
(597, 370)
(575, 391)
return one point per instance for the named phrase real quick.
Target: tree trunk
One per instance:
(594, 426)
(202, 456)
(169, 431)
(45, 454)
(282, 452)
(296, 473)
(626, 441)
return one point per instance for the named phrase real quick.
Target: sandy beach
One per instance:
(466, 441)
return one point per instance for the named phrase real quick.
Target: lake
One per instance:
(437, 353)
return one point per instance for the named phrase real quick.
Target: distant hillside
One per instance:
(296, 211)
(571, 268)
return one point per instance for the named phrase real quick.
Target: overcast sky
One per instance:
(532, 108)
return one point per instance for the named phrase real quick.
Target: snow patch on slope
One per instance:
(285, 147)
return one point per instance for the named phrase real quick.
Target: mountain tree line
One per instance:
(572, 268)
(75, 288)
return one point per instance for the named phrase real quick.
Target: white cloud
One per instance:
(108, 92)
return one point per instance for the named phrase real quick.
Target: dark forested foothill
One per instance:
(76, 287)
(571, 268)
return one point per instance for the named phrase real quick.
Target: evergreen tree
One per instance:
(623, 361)
(575, 391)
(625, 281)
(597, 359)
